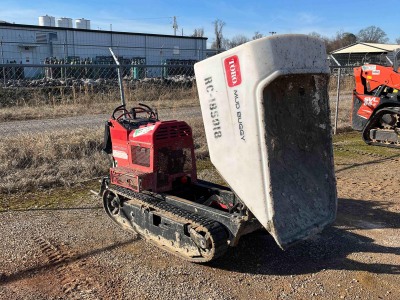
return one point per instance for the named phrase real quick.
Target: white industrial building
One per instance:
(31, 44)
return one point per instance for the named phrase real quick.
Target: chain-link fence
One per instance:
(52, 124)
(341, 86)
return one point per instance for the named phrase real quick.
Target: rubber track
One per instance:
(216, 230)
(371, 123)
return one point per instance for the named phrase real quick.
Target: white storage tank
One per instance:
(47, 21)
(82, 24)
(64, 22)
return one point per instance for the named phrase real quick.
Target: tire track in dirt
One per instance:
(72, 276)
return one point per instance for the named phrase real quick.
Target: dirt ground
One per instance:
(58, 251)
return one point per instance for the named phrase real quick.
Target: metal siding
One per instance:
(91, 44)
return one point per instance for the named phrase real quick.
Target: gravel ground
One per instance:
(87, 121)
(78, 253)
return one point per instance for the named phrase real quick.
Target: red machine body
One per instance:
(376, 103)
(369, 78)
(153, 156)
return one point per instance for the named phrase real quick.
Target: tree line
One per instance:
(371, 34)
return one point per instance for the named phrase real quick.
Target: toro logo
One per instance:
(232, 69)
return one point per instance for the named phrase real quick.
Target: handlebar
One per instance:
(134, 111)
(121, 107)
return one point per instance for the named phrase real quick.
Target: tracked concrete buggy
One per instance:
(266, 115)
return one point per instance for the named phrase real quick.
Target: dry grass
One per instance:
(45, 160)
(344, 113)
(28, 162)
(69, 101)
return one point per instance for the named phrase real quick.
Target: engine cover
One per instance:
(150, 157)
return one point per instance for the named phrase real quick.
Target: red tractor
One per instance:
(376, 103)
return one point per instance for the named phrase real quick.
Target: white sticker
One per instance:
(120, 154)
(376, 72)
(369, 68)
(143, 130)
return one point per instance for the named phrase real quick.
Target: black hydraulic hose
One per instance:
(150, 109)
(115, 110)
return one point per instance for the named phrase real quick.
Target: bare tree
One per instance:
(218, 26)
(339, 40)
(398, 41)
(225, 44)
(257, 35)
(315, 34)
(238, 40)
(372, 34)
(325, 38)
(349, 38)
(198, 32)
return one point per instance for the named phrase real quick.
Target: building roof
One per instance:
(366, 48)
(102, 31)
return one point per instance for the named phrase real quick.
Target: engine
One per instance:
(149, 155)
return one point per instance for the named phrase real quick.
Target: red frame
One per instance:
(381, 75)
(373, 78)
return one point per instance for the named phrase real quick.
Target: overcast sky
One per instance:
(241, 17)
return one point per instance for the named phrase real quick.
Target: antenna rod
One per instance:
(121, 88)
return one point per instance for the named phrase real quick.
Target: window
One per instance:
(176, 50)
(53, 36)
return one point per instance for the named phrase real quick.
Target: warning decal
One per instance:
(144, 130)
(120, 154)
(369, 67)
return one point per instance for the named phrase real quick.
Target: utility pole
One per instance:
(272, 32)
(182, 31)
(175, 25)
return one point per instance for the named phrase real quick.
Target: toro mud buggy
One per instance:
(267, 121)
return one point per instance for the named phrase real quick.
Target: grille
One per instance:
(172, 162)
(167, 132)
(140, 156)
(184, 130)
(41, 37)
